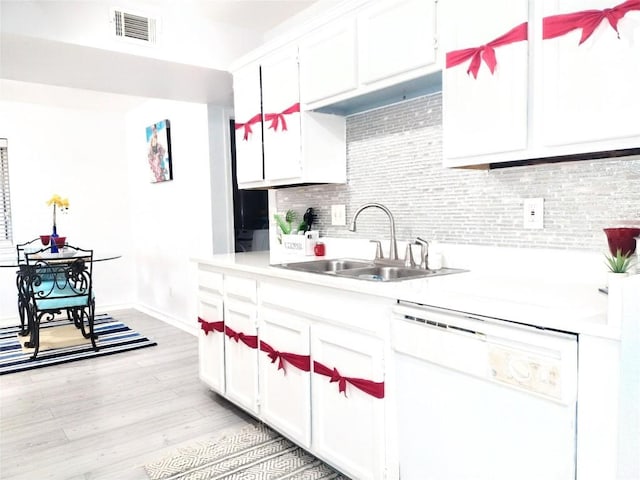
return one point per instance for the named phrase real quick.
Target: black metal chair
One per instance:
(21, 248)
(30, 246)
(55, 282)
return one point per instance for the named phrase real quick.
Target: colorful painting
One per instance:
(159, 151)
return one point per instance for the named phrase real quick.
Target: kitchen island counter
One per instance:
(551, 303)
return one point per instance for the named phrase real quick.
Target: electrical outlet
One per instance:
(533, 213)
(338, 215)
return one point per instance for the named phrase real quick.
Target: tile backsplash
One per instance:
(394, 157)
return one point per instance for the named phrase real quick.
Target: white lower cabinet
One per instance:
(309, 362)
(241, 354)
(211, 340)
(348, 425)
(284, 366)
(210, 328)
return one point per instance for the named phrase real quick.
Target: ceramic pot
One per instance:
(623, 239)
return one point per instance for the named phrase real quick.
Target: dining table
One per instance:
(22, 273)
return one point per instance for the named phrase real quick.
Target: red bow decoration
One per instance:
(301, 362)
(588, 20)
(249, 340)
(486, 52)
(210, 326)
(247, 126)
(375, 389)
(276, 118)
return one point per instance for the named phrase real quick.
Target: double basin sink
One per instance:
(377, 271)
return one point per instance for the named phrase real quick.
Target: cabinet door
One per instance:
(241, 360)
(394, 37)
(211, 341)
(487, 114)
(285, 385)
(328, 62)
(247, 104)
(348, 428)
(280, 97)
(590, 91)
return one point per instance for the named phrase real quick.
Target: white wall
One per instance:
(221, 182)
(79, 154)
(183, 36)
(170, 221)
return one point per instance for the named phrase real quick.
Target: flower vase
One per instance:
(54, 235)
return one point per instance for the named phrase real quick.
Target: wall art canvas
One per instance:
(159, 151)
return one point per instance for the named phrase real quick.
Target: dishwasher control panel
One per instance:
(526, 370)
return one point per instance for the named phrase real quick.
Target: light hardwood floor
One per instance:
(105, 418)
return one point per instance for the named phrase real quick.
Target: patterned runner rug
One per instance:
(255, 452)
(113, 337)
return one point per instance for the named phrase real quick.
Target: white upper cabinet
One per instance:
(328, 61)
(248, 119)
(484, 112)
(550, 95)
(381, 44)
(297, 146)
(395, 37)
(590, 92)
(281, 110)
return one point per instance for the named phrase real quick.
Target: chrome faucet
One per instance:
(424, 253)
(393, 247)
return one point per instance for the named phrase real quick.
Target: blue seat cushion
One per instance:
(56, 298)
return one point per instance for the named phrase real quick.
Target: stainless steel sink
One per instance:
(381, 273)
(326, 266)
(365, 270)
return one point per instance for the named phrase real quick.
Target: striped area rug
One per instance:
(113, 337)
(255, 452)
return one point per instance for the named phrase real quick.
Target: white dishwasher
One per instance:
(480, 398)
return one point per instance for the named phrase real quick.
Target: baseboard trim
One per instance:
(166, 318)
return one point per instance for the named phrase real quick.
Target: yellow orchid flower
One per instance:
(57, 201)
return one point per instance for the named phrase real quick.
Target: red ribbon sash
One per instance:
(486, 52)
(588, 20)
(301, 362)
(247, 126)
(249, 340)
(210, 326)
(375, 389)
(277, 118)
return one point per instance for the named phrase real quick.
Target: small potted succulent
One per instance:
(620, 262)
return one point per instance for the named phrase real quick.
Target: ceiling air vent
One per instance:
(134, 27)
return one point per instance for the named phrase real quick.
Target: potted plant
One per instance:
(286, 223)
(620, 262)
(289, 231)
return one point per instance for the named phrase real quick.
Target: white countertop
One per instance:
(567, 305)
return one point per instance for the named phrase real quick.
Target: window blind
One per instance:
(5, 197)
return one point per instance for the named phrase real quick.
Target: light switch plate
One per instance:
(338, 215)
